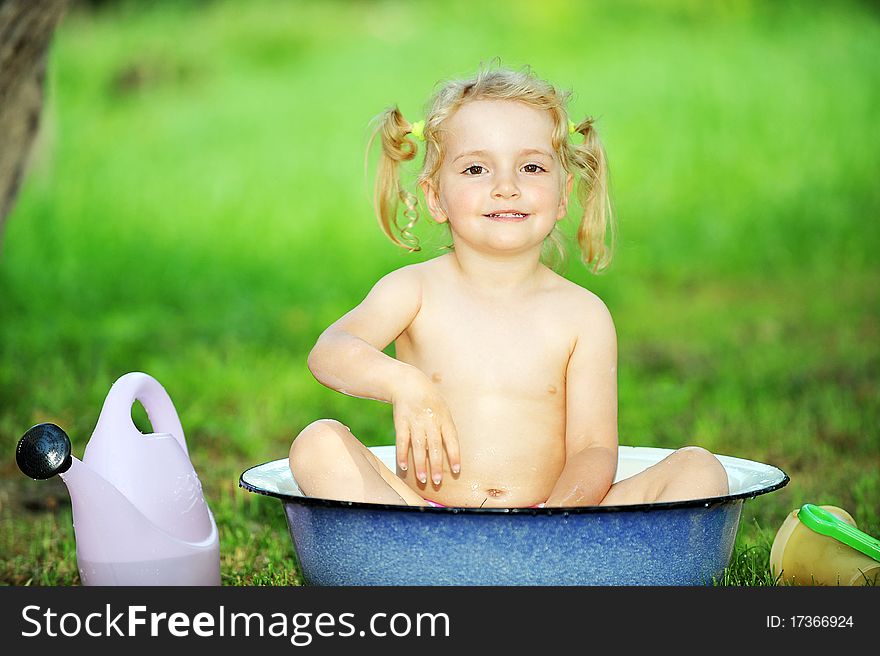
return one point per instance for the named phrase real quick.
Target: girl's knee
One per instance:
(696, 456)
(325, 426)
(705, 469)
(318, 443)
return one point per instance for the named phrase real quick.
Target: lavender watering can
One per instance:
(139, 515)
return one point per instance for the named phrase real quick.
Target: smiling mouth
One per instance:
(507, 216)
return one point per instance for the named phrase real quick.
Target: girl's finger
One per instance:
(450, 442)
(435, 453)
(418, 450)
(401, 429)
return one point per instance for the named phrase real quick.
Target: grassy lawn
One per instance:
(197, 209)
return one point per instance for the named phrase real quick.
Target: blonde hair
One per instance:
(586, 161)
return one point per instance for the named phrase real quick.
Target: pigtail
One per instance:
(393, 129)
(596, 233)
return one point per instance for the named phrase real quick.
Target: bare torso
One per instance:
(500, 364)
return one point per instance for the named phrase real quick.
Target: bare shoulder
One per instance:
(586, 313)
(388, 309)
(423, 277)
(405, 289)
(405, 282)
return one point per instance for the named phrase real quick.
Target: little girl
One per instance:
(504, 385)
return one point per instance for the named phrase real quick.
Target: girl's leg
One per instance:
(327, 461)
(689, 473)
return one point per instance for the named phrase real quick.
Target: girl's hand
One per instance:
(422, 421)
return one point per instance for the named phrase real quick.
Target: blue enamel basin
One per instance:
(678, 543)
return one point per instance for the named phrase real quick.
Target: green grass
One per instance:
(196, 209)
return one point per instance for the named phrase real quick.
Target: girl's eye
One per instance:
(534, 168)
(475, 169)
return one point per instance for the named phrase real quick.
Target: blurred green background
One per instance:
(197, 208)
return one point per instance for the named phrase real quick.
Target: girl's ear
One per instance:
(432, 198)
(563, 202)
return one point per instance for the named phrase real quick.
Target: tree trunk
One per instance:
(26, 28)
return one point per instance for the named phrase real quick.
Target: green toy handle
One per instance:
(826, 523)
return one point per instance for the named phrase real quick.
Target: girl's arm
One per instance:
(348, 357)
(591, 413)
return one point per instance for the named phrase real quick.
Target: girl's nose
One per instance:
(505, 187)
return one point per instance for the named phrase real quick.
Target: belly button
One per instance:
(551, 389)
(437, 378)
(494, 492)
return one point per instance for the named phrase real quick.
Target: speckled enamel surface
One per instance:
(356, 546)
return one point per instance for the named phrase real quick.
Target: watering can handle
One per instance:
(138, 386)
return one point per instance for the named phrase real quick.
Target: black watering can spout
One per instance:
(43, 451)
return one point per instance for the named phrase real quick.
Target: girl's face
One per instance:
(501, 185)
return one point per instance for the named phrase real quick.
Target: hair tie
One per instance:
(417, 130)
(572, 128)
